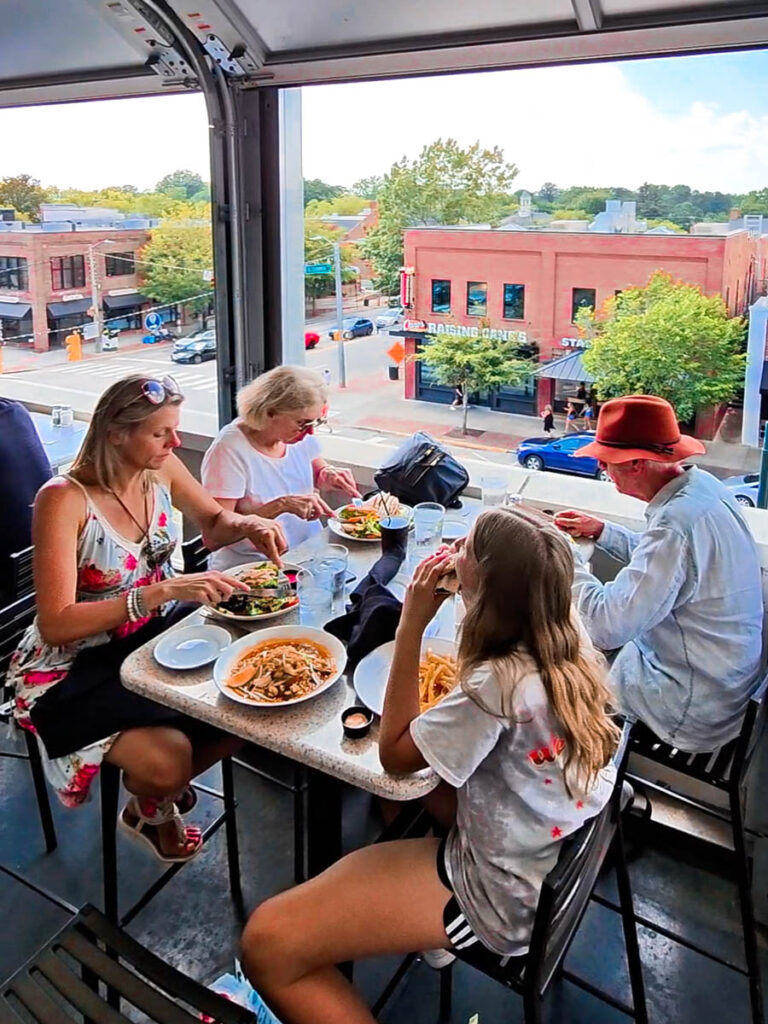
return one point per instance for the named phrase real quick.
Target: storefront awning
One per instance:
(71, 308)
(114, 302)
(568, 368)
(14, 310)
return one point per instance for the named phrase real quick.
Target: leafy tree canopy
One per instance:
(24, 193)
(344, 205)
(572, 215)
(445, 184)
(475, 363)
(173, 261)
(181, 184)
(369, 187)
(314, 188)
(666, 339)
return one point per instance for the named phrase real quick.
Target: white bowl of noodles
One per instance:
(280, 666)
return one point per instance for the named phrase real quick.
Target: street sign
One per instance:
(152, 321)
(317, 268)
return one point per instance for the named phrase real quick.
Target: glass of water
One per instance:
(494, 488)
(314, 590)
(428, 519)
(333, 560)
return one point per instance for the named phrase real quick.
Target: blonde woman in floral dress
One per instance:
(103, 538)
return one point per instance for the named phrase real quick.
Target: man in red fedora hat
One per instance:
(686, 610)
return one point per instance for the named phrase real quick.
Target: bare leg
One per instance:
(382, 899)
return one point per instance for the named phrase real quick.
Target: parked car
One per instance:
(744, 488)
(560, 454)
(196, 348)
(310, 339)
(390, 318)
(354, 327)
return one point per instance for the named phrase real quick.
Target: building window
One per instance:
(13, 274)
(441, 296)
(514, 301)
(477, 298)
(582, 298)
(118, 264)
(67, 272)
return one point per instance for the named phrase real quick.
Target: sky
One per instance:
(699, 120)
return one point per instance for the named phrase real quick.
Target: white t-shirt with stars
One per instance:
(506, 764)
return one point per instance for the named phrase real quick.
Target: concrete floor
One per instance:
(191, 923)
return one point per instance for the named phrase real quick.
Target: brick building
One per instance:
(529, 284)
(45, 274)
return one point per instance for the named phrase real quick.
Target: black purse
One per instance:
(422, 470)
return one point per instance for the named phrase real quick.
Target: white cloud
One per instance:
(570, 125)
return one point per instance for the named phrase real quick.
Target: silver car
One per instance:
(391, 318)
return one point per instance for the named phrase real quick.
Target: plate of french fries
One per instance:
(437, 673)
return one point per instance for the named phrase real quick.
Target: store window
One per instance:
(582, 298)
(67, 272)
(477, 298)
(441, 296)
(118, 264)
(514, 301)
(13, 274)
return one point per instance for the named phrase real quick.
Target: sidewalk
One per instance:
(17, 360)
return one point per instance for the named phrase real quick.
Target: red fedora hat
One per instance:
(640, 427)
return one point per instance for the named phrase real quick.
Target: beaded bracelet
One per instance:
(130, 602)
(137, 610)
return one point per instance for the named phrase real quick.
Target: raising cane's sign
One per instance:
(462, 331)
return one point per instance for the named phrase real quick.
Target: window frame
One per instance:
(14, 269)
(445, 308)
(504, 287)
(68, 271)
(483, 284)
(575, 308)
(127, 259)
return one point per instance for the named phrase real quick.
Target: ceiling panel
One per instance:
(639, 7)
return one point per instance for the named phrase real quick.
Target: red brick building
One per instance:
(529, 284)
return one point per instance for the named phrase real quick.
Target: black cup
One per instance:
(357, 727)
(394, 534)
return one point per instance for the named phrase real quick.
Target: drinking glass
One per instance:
(333, 559)
(314, 590)
(494, 488)
(394, 534)
(428, 519)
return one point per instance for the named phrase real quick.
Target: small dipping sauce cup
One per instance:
(356, 721)
(394, 534)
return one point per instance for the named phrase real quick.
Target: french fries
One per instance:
(437, 677)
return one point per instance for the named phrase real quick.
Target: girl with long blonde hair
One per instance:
(523, 746)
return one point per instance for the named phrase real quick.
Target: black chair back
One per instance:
(752, 729)
(22, 579)
(195, 555)
(14, 619)
(568, 886)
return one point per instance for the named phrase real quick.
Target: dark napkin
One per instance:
(373, 611)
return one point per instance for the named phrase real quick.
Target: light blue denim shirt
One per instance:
(686, 611)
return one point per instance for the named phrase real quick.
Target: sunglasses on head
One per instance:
(157, 391)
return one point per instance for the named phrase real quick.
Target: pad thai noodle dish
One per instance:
(363, 521)
(437, 677)
(279, 670)
(260, 578)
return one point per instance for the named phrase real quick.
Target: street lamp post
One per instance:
(339, 308)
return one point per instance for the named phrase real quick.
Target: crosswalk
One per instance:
(201, 378)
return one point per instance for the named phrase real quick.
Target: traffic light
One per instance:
(74, 347)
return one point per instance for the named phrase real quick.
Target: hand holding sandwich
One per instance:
(422, 599)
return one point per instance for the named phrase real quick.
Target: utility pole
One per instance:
(340, 316)
(95, 303)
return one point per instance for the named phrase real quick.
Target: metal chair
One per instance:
(195, 556)
(14, 619)
(90, 965)
(564, 898)
(21, 577)
(725, 770)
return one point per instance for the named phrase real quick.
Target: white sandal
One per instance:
(164, 812)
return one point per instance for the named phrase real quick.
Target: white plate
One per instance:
(334, 525)
(226, 661)
(191, 646)
(233, 617)
(372, 672)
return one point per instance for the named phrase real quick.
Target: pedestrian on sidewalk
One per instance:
(458, 397)
(548, 417)
(571, 415)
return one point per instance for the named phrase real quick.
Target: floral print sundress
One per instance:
(107, 565)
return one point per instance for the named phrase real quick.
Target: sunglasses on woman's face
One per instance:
(311, 424)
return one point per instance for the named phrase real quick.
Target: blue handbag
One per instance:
(422, 470)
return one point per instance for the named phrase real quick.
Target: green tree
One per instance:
(181, 184)
(475, 363)
(173, 262)
(652, 223)
(314, 188)
(548, 193)
(572, 215)
(666, 339)
(754, 202)
(445, 184)
(344, 205)
(368, 188)
(318, 248)
(24, 193)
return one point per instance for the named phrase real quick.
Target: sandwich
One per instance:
(449, 581)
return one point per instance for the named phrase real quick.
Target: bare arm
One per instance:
(334, 479)
(220, 526)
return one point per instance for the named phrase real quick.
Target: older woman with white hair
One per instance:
(267, 463)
